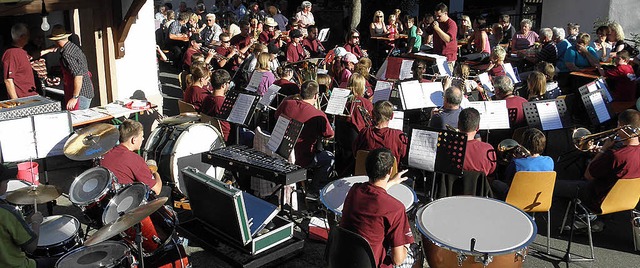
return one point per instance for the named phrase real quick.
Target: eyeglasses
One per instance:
(356, 37)
(378, 16)
(228, 41)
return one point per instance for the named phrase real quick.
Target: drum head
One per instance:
(13, 185)
(128, 198)
(498, 227)
(105, 254)
(57, 229)
(334, 194)
(90, 185)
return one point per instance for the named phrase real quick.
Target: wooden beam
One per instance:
(35, 7)
(125, 26)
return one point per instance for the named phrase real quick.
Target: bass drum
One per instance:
(175, 147)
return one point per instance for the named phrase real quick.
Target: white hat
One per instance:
(271, 22)
(340, 51)
(349, 57)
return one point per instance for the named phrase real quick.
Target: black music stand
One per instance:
(289, 138)
(227, 106)
(533, 116)
(591, 109)
(449, 158)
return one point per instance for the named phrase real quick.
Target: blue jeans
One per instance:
(83, 103)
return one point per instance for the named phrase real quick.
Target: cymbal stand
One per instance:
(139, 243)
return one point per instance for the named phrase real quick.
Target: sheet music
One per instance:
(549, 115)
(278, 133)
(603, 85)
(433, 94)
(382, 91)
(397, 122)
(382, 72)
(254, 81)
(485, 81)
(268, 97)
(337, 101)
(422, 149)
(497, 115)
(51, 131)
(411, 94)
(599, 106)
(323, 35)
(81, 116)
(405, 69)
(443, 66)
(591, 87)
(16, 140)
(241, 108)
(511, 73)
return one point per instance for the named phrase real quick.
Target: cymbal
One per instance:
(181, 119)
(126, 221)
(28, 195)
(91, 142)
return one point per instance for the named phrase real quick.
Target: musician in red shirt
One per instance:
(197, 92)
(380, 135)
(504, 91)
(312, 44)
(444, 31)
(295, 51)
(212, 104)
(230, 60)
(243, 41)
(270, 34)
(353, 44)
(479, 156)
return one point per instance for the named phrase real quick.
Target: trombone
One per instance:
(510, 149)
(584, 141)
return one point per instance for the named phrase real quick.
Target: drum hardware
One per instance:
(91, 191)
(91, 142)
(584, 141)
(510, 149)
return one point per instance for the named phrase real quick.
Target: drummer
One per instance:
(129, 167)
(377, 216)
(17, 237)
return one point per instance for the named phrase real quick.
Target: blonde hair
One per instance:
(466, 18)
(378, 13)
(537, 83)
(263, 61)
(498, 53)
(462, 71)
(363, 66)
(356, 84)
(617, 29)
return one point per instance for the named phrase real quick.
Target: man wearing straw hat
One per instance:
(78, 89)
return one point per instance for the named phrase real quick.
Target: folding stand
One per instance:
(533, 116)
(591, 109)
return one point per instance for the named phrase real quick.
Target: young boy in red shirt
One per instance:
(622, 78)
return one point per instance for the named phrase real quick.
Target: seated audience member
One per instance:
(573, 29)
(466, 28)
(287, 87)
(230, 60)
(479, 40)
(508, 30)
(211, 33)
(616, 38)
(503, 87)
(549, 71)
(537, 86)
(415, 36)
(581, 55)
(380, 135)
(295, 51)
(496, 35)
(312, 44)
(525, 38)
(212, 104)
(19, 235)
(450, 111)
(197, 92)
(316, 126)
(479, 156)
(353, 44)
(278, 17)
(534, 141)
(348, 66)
(562, 45)
(377, 216)
(377, 27)
(496, 67)
(549, 51)
(600, 44)
(128, 166)
(623, 78)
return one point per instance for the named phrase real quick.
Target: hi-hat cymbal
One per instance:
(181, 119)
(126, 221)
(91, 142)
(29, 195)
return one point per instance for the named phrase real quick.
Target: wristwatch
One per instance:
(76, 97)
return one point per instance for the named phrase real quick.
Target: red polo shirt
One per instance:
(478, 156)
(212, 106)
(16, 65)
(372, 138)
(447, 49)
(195, 95)
(127, 166)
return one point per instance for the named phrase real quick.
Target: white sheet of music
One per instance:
(443, 66)
(508, 68)
(51, 131)
(337, 101)
(382, 72)
(497, 115)
(591, 87)
(323, 35)
(397, 122)
(600, 107)
(433, 94)
(80, 116)
(241, 108)
(549, 115)
(268, 97)
(422, 149)
(278, 133)
(16, 140)
(382, 91)
(411, 94)
(405, 69)
(485, 81)
(602, 85)
(254, 81)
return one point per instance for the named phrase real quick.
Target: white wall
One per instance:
(137, 70)
(627, 13)
(557, 13)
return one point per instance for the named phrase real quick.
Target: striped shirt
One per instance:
(74, 60)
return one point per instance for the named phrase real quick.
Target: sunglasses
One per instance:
(356, 37)
(378, 16)
(228, 41)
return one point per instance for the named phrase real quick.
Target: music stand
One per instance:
(286, 141)
(532, 114)
(596, 114)
(228, 105)
(450, 149)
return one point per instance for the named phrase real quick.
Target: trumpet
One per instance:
(510, 149)
(584, 141)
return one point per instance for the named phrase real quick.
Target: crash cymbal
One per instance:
(126, 221)
(181, 119)
(33, 194)
(91, 142)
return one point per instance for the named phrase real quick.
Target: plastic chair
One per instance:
(532, 191)
(211, 121)
(185, 107)
(346, 249)
(361, 158)
(624, 196)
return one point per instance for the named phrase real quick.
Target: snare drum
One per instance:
(58, 235)
(92, 190)
(157, 229)
(106, 254)
(334, 194)
(502, 232)
(175, 147)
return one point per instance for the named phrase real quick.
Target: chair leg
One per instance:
(564, 220)
(549, 232)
